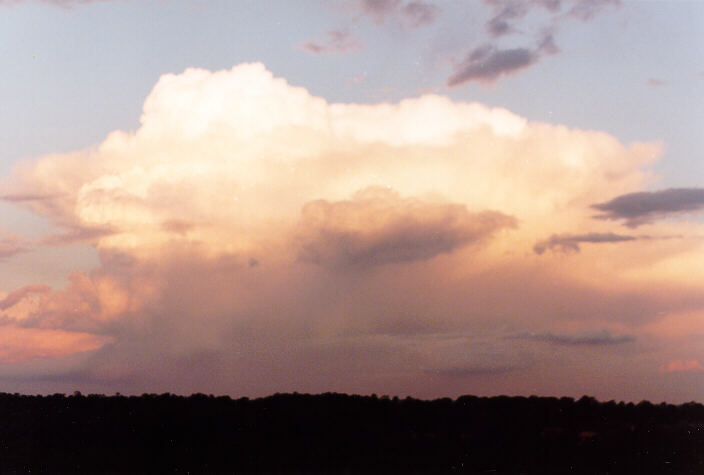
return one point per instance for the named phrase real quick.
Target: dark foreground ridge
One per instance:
(338, 433)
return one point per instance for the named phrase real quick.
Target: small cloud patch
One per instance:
(680, 366)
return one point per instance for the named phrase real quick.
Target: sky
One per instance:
(403, 197)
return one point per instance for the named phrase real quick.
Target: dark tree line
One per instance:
(349, 434)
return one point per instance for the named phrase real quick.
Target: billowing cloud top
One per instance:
(229, 154)
(249, 231)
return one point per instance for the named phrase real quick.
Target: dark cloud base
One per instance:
(378, 227)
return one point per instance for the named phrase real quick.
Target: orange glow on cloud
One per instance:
(19, 345)
(682, 365)
(233, 154)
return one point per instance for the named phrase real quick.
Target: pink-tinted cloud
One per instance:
(335, 41)
(14, 297)
(19, 345)
(77, 234)
(678, 366)
(656, 82)
(10, 246)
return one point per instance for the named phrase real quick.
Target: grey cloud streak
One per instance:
(414, 14)
(646, 206)
(473, 370)
(585, 10)
(487, 63)
(76, 234)
(420, 14)
(507, 11)
(571, 242)
(378, 8)
(504, 13)
(26, 197)
(601, 338)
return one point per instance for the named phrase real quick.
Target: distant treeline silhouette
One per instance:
(336, 433)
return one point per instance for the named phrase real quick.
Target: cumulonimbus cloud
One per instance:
(255, 238)
(571, 242)
(644, 207)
